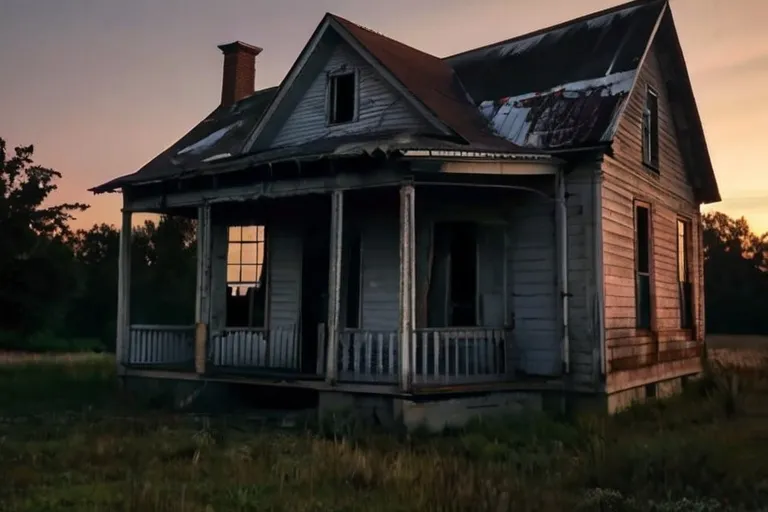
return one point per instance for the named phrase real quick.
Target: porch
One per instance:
(370, 286)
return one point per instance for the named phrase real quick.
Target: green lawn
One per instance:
(70, 441)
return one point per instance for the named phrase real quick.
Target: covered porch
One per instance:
(395, 281)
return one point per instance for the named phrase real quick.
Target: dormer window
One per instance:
(342, 97)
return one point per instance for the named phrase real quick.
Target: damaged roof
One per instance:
(559, 88)
(562, 86)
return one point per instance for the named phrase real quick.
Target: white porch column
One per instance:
(123, 294)
(203, 295)
(407, 282)
(561, 223)
(334, 285)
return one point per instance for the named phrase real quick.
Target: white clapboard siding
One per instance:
(381, 272)
(381, 107)
(531, 256)
(284, 264)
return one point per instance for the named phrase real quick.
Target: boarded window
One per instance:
(685, 288)
(651, 130)
(246, 276)
(643, 266)
(342, 98)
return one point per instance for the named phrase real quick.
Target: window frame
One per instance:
(650, 122)
(262, 272)
(330, 100)
(650, 274)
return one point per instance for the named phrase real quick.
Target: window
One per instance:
(453, 292)
(246, 277)
(643, 266)
(684, 274)
(342, 98)
(651, 130)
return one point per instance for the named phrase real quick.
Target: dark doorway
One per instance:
(314, 285)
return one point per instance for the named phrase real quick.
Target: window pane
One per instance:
(249, 233)
(249, 273)
(643, 301)
(233, 273)
(342, 95)
(233, 254)
(235, 233)
(249, 252)
(642, 234)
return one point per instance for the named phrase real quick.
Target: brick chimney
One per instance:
(239, 71)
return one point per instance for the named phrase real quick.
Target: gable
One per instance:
(628, 147)
(380, 108)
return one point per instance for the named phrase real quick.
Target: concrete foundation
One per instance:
(434, 415)
(617, 402)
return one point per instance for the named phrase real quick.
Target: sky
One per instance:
(100, 87)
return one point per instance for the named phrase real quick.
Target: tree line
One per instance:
(58, 286)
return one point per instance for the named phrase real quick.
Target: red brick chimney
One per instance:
(239, 71)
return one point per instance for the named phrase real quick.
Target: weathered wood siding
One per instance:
(671, 197)
(380, 107)
(380, 270)
(532, 284)
(583, 310)
(532, 298)
(284, 243)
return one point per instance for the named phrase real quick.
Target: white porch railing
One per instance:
(256, 348)
(459, 356)
(368, 356)
(161, 345)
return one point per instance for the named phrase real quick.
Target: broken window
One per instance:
(342, 98)
(246, 276)
(651, 129)
(643, 266)
(684, 274)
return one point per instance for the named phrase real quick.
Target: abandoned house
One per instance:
(513, 226)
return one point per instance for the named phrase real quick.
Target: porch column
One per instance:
(123, 294)
(203, 295)
(334, 285)
(407, 280)
(561, 223)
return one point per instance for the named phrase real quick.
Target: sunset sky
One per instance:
(101, 86)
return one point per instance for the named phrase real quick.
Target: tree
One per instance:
(736, 276)
(36, 274)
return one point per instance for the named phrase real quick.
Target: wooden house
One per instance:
(430, 238)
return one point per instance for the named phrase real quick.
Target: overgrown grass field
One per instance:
(70, 441)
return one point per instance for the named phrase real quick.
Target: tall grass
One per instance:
(69, 442)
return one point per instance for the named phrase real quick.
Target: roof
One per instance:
(432, 81)
(220, 133)
(559, 88)
(538, 90)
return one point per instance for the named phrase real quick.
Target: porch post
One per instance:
(407, 279)
(123, 294)
(334, 285)
(203, 295)
(561, 223)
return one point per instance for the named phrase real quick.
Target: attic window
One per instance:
(342, 98)
(651, 130)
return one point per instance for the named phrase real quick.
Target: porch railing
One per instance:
(256, 348)
(170, 345)
(368, 356)
(459, 356)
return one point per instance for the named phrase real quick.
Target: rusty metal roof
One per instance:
(562, 86)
